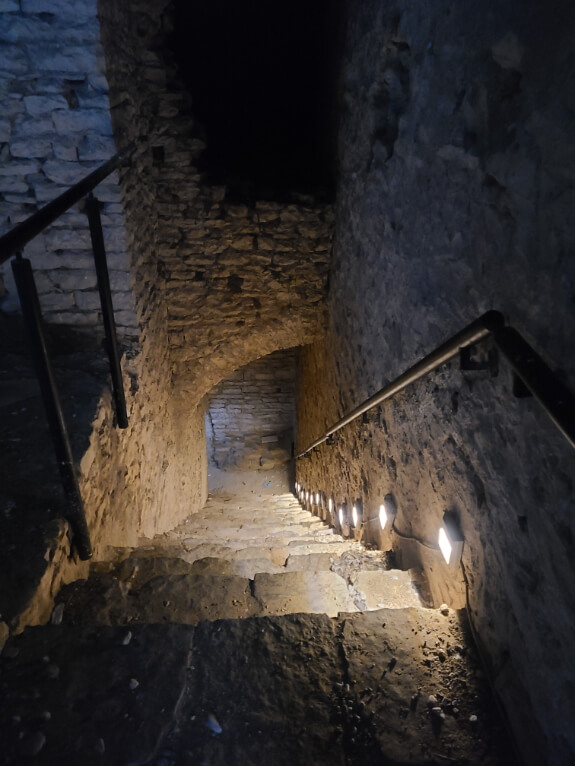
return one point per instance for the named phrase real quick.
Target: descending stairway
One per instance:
(243, 556)
(251, 634)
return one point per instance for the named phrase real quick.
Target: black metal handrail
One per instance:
(13, 243)
(17, 238)
(540, 381)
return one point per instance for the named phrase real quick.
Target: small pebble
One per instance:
(444, 609)
(134, 683)
(127, 638)
(46, 715)
(431, 701)
(213, 725)
(52, 671)
(57, 614)
(32, 744)
(472, 719)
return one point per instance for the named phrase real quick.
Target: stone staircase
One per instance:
(252, 634)
(254, 555)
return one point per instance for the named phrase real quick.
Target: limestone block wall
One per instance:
(60, 119)
(251, 414)
(55, 128)
(457, 167)
(237, 279)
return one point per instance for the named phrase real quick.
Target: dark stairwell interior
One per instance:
(249, 625)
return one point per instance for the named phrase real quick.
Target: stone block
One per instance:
(65, 239)
(61, 301)
(65, 149)
(19, 169)
(13, 60)
(13, 185)
(49, 260)
(82, 121)
(72, 318)
(31, 127)
(65, 173)
(40, 148)
(120, 281)
(5, 130)
(96, 148)
(73, 59)
(38, 106)
(123, 301)
(87, 300)
(74, 8)
(74, 279)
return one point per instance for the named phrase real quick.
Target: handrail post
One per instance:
(103, 277)
(33, 318)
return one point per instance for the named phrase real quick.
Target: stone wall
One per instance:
(62, 105)
(238, 278)
(55, 128)
(251, 414)
(457, 178)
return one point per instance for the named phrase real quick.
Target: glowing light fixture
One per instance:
(357, 514)
(317, 498)
(297, 486)
(450, 539)
(330, 505)
(340, 516)
(387, 511)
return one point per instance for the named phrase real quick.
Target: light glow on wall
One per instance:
(340, 516)
(450, 539)
(387, 511)
(317, 498)
(354, 515)
(382, 516)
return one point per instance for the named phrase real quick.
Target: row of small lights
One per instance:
(449, 537)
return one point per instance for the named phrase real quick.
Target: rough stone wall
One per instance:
(457, 167)
(238, 280)
(251, 414)
(61, 106)
(55, 128)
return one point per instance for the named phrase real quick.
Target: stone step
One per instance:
(206, 591)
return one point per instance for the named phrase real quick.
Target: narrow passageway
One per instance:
(251, 633)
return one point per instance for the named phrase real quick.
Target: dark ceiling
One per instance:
(263, 80)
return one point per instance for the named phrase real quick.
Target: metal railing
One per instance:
(12, 244)
(535, 376)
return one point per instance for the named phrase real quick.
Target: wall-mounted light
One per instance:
(357, 514)
(341, 516)
(317, 499)
(297, 486)
(450, 539)
(330, 505)
(387, 511)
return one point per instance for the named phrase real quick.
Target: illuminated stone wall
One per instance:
(457, 181)
(251, 414)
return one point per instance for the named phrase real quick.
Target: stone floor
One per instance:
(251, 634)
